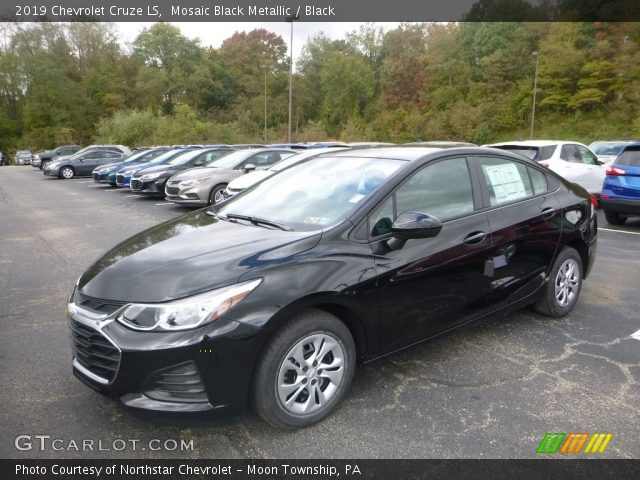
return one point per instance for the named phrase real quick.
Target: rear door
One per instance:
(573, 168)
(431, 284)
(525, 219)
(87, 162)
(627, 167)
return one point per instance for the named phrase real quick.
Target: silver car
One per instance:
(205, 186)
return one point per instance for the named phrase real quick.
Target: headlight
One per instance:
(150, 176)
(192, 183)
(187, 313)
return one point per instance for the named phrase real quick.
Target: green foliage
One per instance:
(74, 83)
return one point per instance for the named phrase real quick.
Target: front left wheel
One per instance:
(67, 173)
(304, 371)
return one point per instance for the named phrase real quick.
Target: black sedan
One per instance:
(271, 298)
(152, 180)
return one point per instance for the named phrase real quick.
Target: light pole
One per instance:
(535, 91)
(265, 105)
(290, 19)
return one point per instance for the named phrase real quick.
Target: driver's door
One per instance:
(431, 284)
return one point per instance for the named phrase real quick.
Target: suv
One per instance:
(574, 161)
(621, 189)
(23, 157)
(82, 163)
(41, 159)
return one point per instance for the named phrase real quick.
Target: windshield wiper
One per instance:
(256, 221)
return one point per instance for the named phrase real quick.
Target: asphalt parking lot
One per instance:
(489, 391)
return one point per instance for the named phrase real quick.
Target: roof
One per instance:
(395, 153)
(530, 143)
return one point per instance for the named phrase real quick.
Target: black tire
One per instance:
(274, 359)
(614, 218)
(549, 305)
(67, 173)
(214, 191)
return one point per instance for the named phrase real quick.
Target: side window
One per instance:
(381, 219)
(546, 152)
(570, 154)
(442, 190)
(586, 156)
(111, 155)
(92, 155)
(506, 180)
(538, 181)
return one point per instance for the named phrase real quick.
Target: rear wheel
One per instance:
(217, 194)
(67, 173)
(614, 218)
(563, 286)
(304, 371)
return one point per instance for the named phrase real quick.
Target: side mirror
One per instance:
(249, 167)
(411, 225)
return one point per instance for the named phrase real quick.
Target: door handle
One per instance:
(474, 237)
(548, 212)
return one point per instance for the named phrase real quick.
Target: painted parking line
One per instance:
(618, 231)
(636, 335)
(164, 203)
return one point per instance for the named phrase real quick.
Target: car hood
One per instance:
(188, 255)
(156, 169)
(135, 167)
(198, 172)
(249, 179)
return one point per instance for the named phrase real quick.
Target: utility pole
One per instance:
(535, 91)
(265, 105)
(290, 20)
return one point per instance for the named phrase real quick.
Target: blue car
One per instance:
(123, 175)
(621, 189)
(107, 173)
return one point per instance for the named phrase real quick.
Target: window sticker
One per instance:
(506, 182)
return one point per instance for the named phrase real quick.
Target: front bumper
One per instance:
(123, 180)
(150, 187)
(100, 178)
(202, 370)
(195, 196)
(53, 171)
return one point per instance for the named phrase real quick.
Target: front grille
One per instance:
(180, 383)
(94, 352)
(119, 179)
(96, 176)
(135, 184)
(97, 305)
(172, 190)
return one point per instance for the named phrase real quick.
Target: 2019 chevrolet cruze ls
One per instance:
(272, 297)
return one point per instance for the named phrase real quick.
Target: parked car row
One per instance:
(335, 259)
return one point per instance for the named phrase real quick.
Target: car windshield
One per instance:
(314, 194)
(609, 148)
(145, 155)
(166, 156)
(629, 157)
(532, 152)
(287, 162)
(184, 157)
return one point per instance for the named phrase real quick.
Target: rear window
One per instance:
(629, 157)
(609, 149)
(534, 153)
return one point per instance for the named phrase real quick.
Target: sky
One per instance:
(214, 33)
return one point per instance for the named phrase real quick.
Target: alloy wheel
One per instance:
(310, 374)
(567, 283)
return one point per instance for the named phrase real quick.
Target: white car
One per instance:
(246, 181)
(607, 151)
(574, 161)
